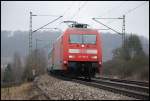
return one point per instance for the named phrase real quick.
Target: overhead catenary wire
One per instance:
(118, 6)
(55, 19)
(113, 9)
(131, 10)
(47, 24)
(79, 9)
(110, 10)
(68, 8)
(65, 13)
(106, 26)
(47, 15)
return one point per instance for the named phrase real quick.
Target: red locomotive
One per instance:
(77, 52)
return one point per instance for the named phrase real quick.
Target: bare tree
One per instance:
(36, 60)
(2, 75)
(40, 61)
(17, 67)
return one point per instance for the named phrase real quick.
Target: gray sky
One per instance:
(15, 14)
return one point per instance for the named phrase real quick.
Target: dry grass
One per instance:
(16, 93)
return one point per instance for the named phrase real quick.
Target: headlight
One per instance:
(71, 56)
(94, 57)
(65, 62)
(100, 63)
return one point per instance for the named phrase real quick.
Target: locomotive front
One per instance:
(83, 52)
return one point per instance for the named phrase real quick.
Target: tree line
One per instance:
(129, 61)
(17, 72)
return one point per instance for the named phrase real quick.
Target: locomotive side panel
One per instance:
(50, 59)
(58, 55)
(99, 47)
(65, 48)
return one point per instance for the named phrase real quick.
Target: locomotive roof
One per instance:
(81, 29)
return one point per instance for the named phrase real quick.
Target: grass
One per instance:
(16, 93)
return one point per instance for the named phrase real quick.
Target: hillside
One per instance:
(18, 42)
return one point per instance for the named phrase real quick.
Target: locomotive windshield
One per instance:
(83, 38)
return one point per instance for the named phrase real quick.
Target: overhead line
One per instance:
(68, 9)
(106, 26)
(47, 24)
(109, 18)
(113, 9)
(79, 9)
(129, 11)
(65, 13)
(46, 15)
(116, 7)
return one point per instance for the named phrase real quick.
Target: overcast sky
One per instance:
(15, 14)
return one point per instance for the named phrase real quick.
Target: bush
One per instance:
(37, 60)
(129, 62)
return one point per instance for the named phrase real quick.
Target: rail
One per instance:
(124, 87)
(140, 83)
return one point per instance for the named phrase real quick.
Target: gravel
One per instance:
(66, 90)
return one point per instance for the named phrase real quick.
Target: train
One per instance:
(77, 52)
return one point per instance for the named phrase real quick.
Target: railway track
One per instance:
(140, 83)
(123, 85)
(134, 89)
